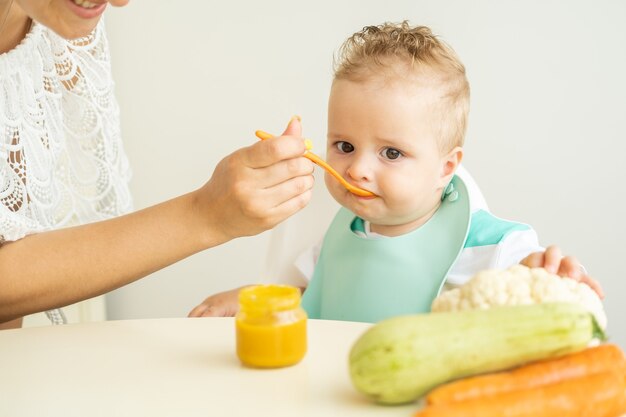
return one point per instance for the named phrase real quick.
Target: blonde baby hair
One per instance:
(386, 48)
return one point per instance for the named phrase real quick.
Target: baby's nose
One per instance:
(360, 169)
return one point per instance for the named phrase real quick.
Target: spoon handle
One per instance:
(319, 161)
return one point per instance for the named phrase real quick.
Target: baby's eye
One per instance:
(345, 147)
(391, 153)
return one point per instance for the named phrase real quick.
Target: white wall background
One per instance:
(546, 138)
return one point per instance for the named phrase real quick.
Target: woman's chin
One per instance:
(71, 32)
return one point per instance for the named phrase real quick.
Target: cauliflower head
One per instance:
(516, 286)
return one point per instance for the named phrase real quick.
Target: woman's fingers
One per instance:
(270, 151)
(282, 171)
(274, 204)
(291, 206)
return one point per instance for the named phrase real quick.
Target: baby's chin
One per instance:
(382, 219)
(367, 212)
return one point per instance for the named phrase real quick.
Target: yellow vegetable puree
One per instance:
(271, 326)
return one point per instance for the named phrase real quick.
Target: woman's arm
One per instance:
(250, 191)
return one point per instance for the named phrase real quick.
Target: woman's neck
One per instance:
(15, 28)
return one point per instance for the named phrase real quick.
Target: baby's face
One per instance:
(381, 137)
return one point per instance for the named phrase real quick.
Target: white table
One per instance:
(174, 367)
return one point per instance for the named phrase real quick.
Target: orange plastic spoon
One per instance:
(319, 161)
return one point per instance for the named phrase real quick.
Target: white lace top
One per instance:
(61, 156)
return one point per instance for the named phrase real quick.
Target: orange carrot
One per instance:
(588, 361)
(598, 395)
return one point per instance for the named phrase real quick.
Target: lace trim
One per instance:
(56, 316)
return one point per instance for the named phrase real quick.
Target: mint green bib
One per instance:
(368, 280)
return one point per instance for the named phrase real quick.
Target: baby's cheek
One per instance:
(396, 192)
(403, 202)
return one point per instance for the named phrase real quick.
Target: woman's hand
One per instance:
(566, 266)
(255, 188)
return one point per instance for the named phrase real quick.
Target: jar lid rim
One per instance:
(270, 297)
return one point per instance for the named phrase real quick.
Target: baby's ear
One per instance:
(449, 163)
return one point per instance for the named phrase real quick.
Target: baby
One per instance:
(397, 117)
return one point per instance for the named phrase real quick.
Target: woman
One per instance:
(64, 236)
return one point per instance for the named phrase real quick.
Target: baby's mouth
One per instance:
(360, 197)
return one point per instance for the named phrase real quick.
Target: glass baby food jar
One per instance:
(271, 326)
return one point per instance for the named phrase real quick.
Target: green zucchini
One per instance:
(400, 359)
